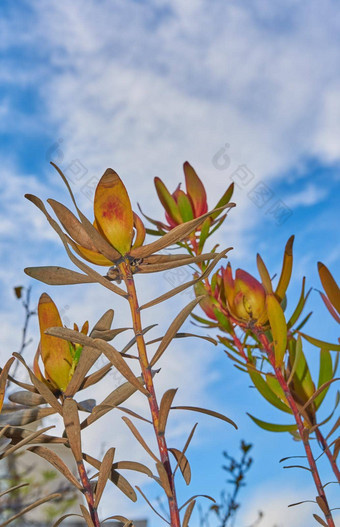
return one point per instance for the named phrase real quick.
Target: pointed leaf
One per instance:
(164, 479)
(109, 351)
(278, 326)
(265, 277)
(286, 271)
(164, 409)
(140, 438)
(272, 427)
(176, 235)
(167, 200)
(55, 275)
(86, 516)
(195, 190)
(26, 398)
(151, 506)
(321, 343)
(58, 463)
(266, 391)
(188, 512)
(325, 374)
(72, 427)
(3, 379)
(37, 503)
(173, 328)
(115, 398)
(104, 473)
(132, 465)
(23, 417)
(330, 286)
(116, 478)
(205, 411)
(300, 305)
(183, 464)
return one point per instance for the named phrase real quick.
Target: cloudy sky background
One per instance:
(142, 86)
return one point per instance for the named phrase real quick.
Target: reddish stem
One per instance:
(328, 453)
(88, 493)
(303, 432)
(147, 375)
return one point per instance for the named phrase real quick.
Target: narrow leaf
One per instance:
(3, 379)
(72, 427)
(109, 351)
(321, 343)
(188, 512)
(164, 409)
(132, 465)
(164, 480)
(176, 235)
(183, 464)
(58, 463)
(278, 326)
(115, 398)
(104, 473)
(116, 478)
(187, 443)
(140, 438)
(286, 271)
(205, 411)
(173, 328)
(31, 507)
(86, 516)
(151, 506)
(55, 275)
(266, 391)
(27, 398)
(271, 427)
(330, 286)
(265, 277)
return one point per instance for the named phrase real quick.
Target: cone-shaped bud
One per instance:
(210, 302)
(245, 296)
(58, 356)
(181, 206)
(113, 212)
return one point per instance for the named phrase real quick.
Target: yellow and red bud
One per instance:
(245, 296)
(181, 206)
(59, 357)
(210, 301)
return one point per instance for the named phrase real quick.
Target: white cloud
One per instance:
(310, 195)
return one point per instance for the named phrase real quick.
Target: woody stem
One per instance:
(303, 432)
(147, 375)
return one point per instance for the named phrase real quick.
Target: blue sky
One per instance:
(142, 87)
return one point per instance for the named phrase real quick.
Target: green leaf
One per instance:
(325, 374)
(300, 305)
(272, 427)
(265, 277)
(204, 233)
(266, 392)
(222, 319)
(223, 201)
(278, 326)
(286, 271)
(185, 207)
(320, 343)
(330, 286)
